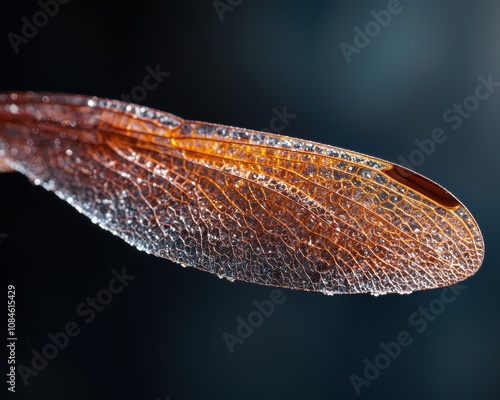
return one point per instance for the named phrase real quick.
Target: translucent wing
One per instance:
(242, 204)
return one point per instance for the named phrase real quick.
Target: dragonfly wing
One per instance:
(242, 204)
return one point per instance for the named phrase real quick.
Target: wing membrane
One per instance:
(242, 204)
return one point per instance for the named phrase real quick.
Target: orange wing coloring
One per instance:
(242, 204)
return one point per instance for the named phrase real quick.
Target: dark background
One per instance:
(162, 336)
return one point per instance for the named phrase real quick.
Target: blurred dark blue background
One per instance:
(163, 334)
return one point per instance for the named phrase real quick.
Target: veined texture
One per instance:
(242, 204)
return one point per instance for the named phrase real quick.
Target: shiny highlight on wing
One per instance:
(242, 204)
